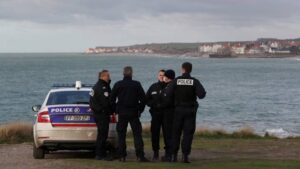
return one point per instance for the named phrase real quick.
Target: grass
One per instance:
(246, 133)
(18, 132)
(218, 149)
(204, 164)
(243, 133)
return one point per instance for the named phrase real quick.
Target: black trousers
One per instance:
(156, 125)
(167, 126)
(102, 121)
(136, 128)
(184, 122)
(162, 119)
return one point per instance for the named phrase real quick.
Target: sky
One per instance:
(74, 25)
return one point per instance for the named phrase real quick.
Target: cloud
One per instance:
(47, 25)
(101, 11)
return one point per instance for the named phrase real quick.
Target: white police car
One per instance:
(65, 122)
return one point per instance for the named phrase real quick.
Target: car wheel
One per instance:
(38, 153)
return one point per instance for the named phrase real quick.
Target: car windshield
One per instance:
(68, 97)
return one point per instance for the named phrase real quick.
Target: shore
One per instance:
(213, 149)
(196, 55)
(206, 153)
(20, 132)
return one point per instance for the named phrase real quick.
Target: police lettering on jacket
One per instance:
(185, 90)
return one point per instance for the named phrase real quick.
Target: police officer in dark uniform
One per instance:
(153, 97)
(167, 107)
(185, 89)
(100, 104)
(131, 101)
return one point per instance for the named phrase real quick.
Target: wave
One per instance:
(295, 58)
(279, 132)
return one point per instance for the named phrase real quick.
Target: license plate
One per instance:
(77, 118)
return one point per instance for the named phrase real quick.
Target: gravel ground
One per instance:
(19, 156)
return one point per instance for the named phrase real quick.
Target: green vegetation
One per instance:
(170, 48)
(212, 149)
(203, 164)
(246, 133)
(20, 132)
(243, 133)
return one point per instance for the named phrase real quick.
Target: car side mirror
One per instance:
(36, 108)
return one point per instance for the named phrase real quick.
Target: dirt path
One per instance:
(19, 156)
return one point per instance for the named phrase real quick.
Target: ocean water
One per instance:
(263, 94)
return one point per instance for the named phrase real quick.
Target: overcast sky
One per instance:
(74, 25)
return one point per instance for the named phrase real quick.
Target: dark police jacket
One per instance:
(166, 100)
(185, 90)
(130, 97)
(153, 96)
(100, 98)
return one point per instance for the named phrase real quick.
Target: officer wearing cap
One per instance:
(154, 102)
(185, 90)
(100, 104)
(167, 106)
(130, 100)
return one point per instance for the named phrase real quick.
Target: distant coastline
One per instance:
(261, 48)
(194, 55)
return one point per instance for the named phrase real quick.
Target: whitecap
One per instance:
(280, 133)
(296, 59)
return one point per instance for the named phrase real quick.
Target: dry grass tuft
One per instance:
(18, 132)
(246, 132)
(206, 132)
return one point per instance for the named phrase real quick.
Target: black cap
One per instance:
(170, 74)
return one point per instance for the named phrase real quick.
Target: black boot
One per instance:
(155, 156)
(109, 158)
(185, 159)
(174, 158)
(166, 158)
(122, 159)
(142, 159)
(99, 157)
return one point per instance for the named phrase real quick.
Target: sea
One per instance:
(258, 93)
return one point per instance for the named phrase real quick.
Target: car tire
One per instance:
(38, 153)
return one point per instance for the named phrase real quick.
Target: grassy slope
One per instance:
(204, 164)
(218, 149)
(225, 161)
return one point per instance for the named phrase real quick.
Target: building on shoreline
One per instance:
(260, 47)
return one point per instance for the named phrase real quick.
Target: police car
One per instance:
(65, 122)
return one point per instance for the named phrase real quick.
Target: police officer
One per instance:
(100, 104)
(154, 102)
(167, 106)
(131, 101)
(185, 89)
